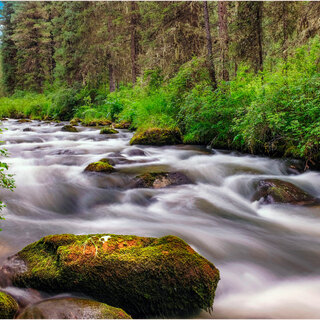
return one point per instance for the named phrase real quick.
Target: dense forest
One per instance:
(234, 75)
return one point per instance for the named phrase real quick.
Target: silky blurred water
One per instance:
(269, 256)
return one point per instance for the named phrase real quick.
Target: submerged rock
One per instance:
(27, 130)
(103, 165)
(158, 180)
(72, 308)
(8, 306)
(121, 125)
(157, 137)
(147, 277)
(278, 191)
(108, 130)
(69, 128)
(136, 152)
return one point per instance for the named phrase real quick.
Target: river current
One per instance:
(268, 255)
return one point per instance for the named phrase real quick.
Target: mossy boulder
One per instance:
(72, 308)
(96, 123)
(158, 180)
(147, 277)
(74, 122)
(121, 125)
(278, 191)
(157, 137)
(8, 306)
(69, 128)
(108, 130)
(103, 165)
(23, 120)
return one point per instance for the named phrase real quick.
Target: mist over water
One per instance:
(268, 256)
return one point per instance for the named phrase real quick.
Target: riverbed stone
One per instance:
(157, 180)
(72, 308)
(146, 277)
(121, 125)
(27, 130)
(8, 306)
(69, 128)
(157, 137)
(108, 130)
(23, 120)
(278, 191)
(103, 166)
(96, 123)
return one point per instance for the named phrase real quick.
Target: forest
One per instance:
(235, 75)
(159, 159)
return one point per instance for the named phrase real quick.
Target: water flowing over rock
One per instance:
(158, 180)
(278, 191)
(8, 306)
(103, 166)
(69, 128)
(147, 277)
(157, 137)
(108, 130)
(72, 308)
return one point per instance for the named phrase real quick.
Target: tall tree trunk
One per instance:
(209, 46)
(112, 85)
(134, 39)
(259, 35)
(285, 30)
(224, 39)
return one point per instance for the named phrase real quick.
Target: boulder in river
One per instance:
(74, 121)
(8, 306)
(136, 153)
(157, 137)
(121, 125)
(27, 130)
(72, 308)
(278, 191)
(108, 130)
(23, 120)
(103, 165)
(158, 180)
(69, 128)
(146, 277)
(96, 123)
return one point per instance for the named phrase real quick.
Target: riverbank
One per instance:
(274, 113)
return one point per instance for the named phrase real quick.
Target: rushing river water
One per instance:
(268, 256)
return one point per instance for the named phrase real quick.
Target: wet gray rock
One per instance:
(157, 180)
(72, 308)
(277, 191)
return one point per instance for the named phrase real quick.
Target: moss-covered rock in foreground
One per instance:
(103, 165)
(72, 308)
(108, 130)
(158, 180)
(157, 137)
(146, 277)
(69, 128)
(8, 306)
(278, 191)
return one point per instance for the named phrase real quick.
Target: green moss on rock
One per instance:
(108, 130)
(96, 123)
(157, 137)
(72, 308)
(8, 306)
(147, 277)
(103, 165)
(24, 120)
(158, 180)
(121, 125)
(69, 128)
(278, 191)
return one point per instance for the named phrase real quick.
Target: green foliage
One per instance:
(6, 180)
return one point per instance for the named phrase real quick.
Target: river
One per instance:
(268, 256)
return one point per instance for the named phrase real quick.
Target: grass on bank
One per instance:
(274, 112)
